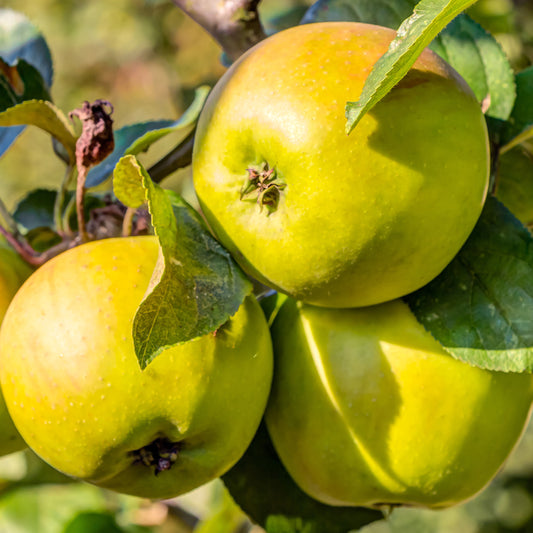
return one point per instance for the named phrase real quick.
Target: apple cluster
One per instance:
(363, 406)
(366, 408)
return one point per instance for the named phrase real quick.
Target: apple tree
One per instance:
(146, 368)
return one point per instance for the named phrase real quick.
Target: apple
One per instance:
(13, 272)
(332, 219)
(76, 393)
(367, 409)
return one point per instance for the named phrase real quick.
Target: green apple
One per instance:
(77, 395)
(368, 410)
(332, 219)
(13, 272)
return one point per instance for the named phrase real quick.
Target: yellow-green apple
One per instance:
(13, 272)
(367, 409)
(332, 219)
(76, 393)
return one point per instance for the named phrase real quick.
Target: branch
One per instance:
(179, 157)
(234, 24)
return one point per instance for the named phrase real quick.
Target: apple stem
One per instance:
(80, 194)
(179, 157)
(127, 223)
(94, 144)
(61, 223)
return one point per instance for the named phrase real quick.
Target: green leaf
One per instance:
(199, 286)
(264, 491)
(34, 86)
(34, 214)
(414, 34)
(271, 304)
(93, 522)
(137, 138)
(223, 517)
(21, 40)
(18, 83)
(480, 307)
(47, 508)
(36, 209)
(515, 183)
(44, 115)
(480, 60)
(142, 143)
(389, 13)
(282, 17)
(520, 124)
(463, 43)
(42, 239)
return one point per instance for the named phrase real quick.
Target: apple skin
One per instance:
(76, 392)
(363, 218)
(13, 272)
(368, 410)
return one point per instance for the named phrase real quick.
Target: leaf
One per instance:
(515, 183)
(137, 138)
(188, 118)
(30, 80)
(271, 304)
(223, 517)
(480, 60)
(44, 115)
(200, 286)
(47, 508)
(26, 79)
(414, 34)
(36, 209)
(480, 307)
(282, 17)
(520, 124)
(264, 491)
(389, 13)
(93, 522)
(42, 238)
(463, 43)
(20, 39)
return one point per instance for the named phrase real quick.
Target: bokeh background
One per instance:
(147, 57)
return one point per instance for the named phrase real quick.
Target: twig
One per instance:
(234, 24)
(127, 223)
(95, 143)
(61, 227)
(179, 157)
(7, 219)
(29, 255)
(186, 519)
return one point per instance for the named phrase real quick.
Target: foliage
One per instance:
(478, 308)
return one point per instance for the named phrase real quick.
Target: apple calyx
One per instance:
(265, 184)
(160, 454)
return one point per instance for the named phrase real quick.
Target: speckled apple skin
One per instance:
(13, 272)
(366, 217)
(76, 392)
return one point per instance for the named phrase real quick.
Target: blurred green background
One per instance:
(146, 57)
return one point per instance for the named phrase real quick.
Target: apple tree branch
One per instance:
(234, 24)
